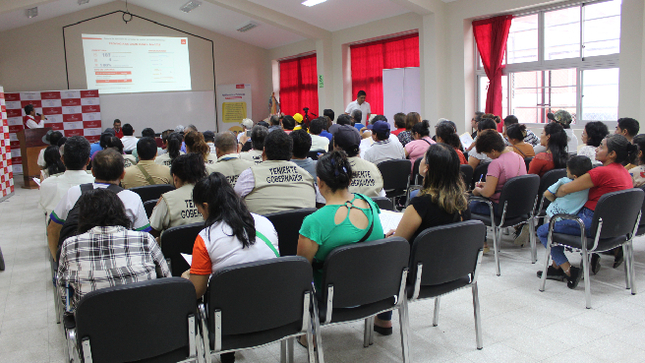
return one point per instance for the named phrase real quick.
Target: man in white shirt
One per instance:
(383, 149)
(76, 157)
(360, 104)
(318, 143)
(129, 140)
(31, 118)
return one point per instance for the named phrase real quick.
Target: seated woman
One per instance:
(445, 133)
(53, 162)
(173, 149)
(195, 143)
(172, 209)
(592, 135)
(105, 253)
(443, 197)
(638, 172)
(554, 138)
(421, 141)
(346, 218)
(515, 134)
(475, 157)
(411, 119)
(611, 177)
(505, 165)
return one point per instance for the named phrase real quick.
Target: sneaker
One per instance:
(553, 273)
(523, 236)
(574, 279)
(595, 263)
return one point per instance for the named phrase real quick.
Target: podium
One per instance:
(30, 145)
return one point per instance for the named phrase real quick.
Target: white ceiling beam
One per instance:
(421, 7)
(274, 18)
(7, 6)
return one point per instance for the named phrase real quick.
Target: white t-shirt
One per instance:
(384, 150)
(572, 145)
(364, 107)
(33, 124)
(54, 188)
(319, 143)
(129, 143)
(132, 201)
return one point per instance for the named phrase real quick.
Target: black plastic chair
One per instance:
(151, 321)
(396, 177)
(150, 192)
(549, 178)
(516, 205)
(467, 174)
(315, 154)
(253, 304)
(479, 174)
(444, 259)
(177, 240)
(149, 205)
(287, 224)
(615, 221)
(416, 177)
(384, 203)
(641, 225)
(361, 280)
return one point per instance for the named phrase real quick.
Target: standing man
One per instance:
(31, 118)
(360, 104)
(117, 128)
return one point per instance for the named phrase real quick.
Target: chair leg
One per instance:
(478, 319)
(2, 266)
(310, 345)
(367, 332)
(496, 231)
(320, 357)
(585, 269)
(435, 318)
(404, 323)
(628, 262)
(547, 259)
(532, 240)
(632, 273)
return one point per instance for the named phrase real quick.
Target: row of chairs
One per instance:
(254, 304)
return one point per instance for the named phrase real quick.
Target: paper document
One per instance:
(466, 140)
(36, 180)
(188, 258)
(390, 219)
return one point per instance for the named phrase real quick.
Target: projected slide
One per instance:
(129, 64)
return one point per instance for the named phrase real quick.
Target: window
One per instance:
(299, 84)
(564, 58)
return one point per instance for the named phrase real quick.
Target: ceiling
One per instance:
(280, 22)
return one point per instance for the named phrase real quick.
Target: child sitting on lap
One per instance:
(571, 203)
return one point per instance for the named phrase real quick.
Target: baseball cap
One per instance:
(347, 138)
(248, 123)
(381, 128)
(560, 116)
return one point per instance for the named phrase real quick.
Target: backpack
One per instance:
(70, 227)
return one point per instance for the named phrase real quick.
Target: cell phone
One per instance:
(248, 133)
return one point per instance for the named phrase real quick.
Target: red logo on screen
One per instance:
(239, 86)
(183, 41)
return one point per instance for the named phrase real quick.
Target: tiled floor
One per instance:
(520, 323)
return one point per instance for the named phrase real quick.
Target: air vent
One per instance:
(246, 27)
(32, 13)
(189, 6)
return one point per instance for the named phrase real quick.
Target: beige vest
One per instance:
(280, 185)
(164, 159)
(129, 160)
(231, 166)
(252, 155)
(181, 208)
(366, 178)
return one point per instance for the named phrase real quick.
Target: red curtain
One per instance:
(491, 36)
(370, 59)
(299, 85)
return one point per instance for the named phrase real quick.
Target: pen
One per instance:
(480, 178)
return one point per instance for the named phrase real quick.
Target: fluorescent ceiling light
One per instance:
(312, 2)
(190, 6)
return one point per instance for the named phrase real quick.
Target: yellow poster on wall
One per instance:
(233, 112)
(234, 104)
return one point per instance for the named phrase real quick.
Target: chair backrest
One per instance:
(618, 211)
(149, 205)
(315, 154)
(149, 192)
(287, 224)
(549, 178)
(396, 174)
(416, 177)
(447, 252)
(520, 193)
(366, 272)
(642, 221)
(177, 240)
(260, 296)
(383, 203)
(137, 321)
(479, 173)
(467, 174)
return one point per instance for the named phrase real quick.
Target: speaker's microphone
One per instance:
(41, 115)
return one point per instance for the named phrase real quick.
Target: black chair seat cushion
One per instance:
(176, 355)
(604, 244)
(359, 312)
(255, 339)
(507, 222)
(430, 291)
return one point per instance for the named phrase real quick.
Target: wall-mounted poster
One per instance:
(233, 104)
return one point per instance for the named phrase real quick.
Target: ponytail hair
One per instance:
(53, 163)
(557, 144)
(623, 148)
(333, 168)
(422, 128)
(195, 142)
(516, 131)
(446, 132)
(639, 141)
(226, 206)
(173, 145)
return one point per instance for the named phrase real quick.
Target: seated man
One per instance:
(301, 147)
(228, 162)
(383, 149)
(107, 170)
(318, 142)
(76, 157)
(209, 137)
(105, 253)
(366, 177)
(147, 132)
(276, 184)
(258, 134)
(146, 171)
(129, 140)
